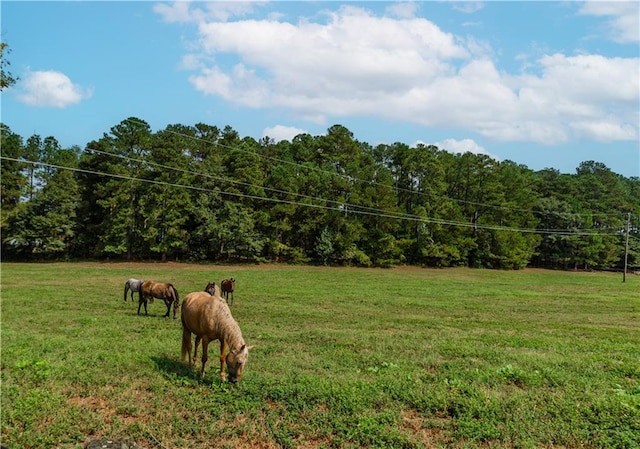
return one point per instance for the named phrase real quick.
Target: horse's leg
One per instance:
(168, 304)
(195, 351)
(125, 293)
(223, 349)
(140, 301)
(205, 350)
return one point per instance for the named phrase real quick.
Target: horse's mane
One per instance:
(228, 327)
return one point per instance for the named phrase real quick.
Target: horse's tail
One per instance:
(126, 287)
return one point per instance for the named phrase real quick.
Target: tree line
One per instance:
(199, 193)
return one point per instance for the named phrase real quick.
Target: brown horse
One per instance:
(160, 290)
(228, 286)
(209, 318)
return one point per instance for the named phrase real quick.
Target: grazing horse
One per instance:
(209, 318)
(228, 286)
(133, 285)
(160, 290)
(212, 289)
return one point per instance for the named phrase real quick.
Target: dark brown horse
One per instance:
(160, 290)
(228, 286)
(209, 318)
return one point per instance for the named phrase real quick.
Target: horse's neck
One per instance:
(232, 334)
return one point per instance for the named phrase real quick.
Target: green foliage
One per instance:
(45, 227)
(6, 78)
(324, 246)
(201, 194)
(12, 179)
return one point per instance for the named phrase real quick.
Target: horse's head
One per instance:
(176, 307)
(236, 361)
(211, 288)
(176, 302)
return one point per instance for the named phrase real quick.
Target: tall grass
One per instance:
(343, 358)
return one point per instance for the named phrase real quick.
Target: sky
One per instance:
(544, 84)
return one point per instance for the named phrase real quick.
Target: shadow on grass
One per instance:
(174, 368)
(149, 315)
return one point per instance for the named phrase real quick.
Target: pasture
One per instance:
(343, 358)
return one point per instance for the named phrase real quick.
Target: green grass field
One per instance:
(343, 358)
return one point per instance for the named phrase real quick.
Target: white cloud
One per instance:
(467, 7)
(186, 11)
(51, 89)
(404, 10)
(327, 69)
(174, 12)
(604, 130)
(281, 132)
(191, 62)
(406, 68)
(624, 23)
(582, 92)
(463, 146)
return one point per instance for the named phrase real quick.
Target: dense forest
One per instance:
(198, 193)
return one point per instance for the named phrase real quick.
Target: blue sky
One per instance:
(544, 84)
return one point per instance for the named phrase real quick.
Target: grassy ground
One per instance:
(343, 358)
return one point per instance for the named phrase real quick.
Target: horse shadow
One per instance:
(178, 370)
(172, 367)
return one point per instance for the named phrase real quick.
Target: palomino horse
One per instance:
(228, 286)
(133, 285)
(160, 290)
(209, 318)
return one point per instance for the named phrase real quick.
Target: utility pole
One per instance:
(626, 248)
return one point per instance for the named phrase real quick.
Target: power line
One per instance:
(340, 208)
(340, 205)
(351, 178)
(222, 178)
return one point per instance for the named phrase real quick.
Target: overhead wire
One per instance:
(233, 181)
(341, 206)
(370, 182)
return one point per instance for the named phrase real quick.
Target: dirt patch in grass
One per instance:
(430, 432)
